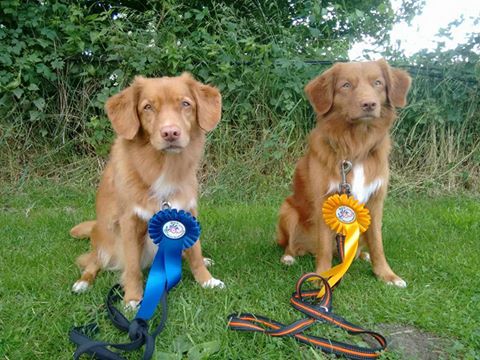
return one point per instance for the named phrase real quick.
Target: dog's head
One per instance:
(165, 110)
(358, 91)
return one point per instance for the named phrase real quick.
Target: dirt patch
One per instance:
(412, 343)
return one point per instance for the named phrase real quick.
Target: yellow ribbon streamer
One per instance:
(346, 216)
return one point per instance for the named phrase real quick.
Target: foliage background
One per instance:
(60, 61)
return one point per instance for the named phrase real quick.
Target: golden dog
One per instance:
(160, 125)
(355, 106)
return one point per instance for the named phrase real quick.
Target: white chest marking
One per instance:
(360, 191)
(162, 189)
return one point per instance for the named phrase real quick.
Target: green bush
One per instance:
(60, 61)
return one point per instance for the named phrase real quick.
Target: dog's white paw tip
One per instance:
(287, 260)
(80, 286)
(365, 256)
(208, 262)
(399, 283)
(132, 305)
(213, 283)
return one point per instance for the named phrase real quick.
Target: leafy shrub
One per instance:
(61, 60)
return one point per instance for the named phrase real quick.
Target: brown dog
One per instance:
(160, 125)
(355, 106)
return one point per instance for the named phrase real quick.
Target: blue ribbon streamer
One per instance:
(166, 269)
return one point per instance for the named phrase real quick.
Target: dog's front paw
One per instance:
(133, 296)
(131, 305)
(398, 282)
(80, 286)
(287, 260)
(392, 279)
(213, 283)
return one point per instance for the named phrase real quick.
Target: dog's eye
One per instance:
(378, 83)
(347, 85)
(185, 104)
(147, 107)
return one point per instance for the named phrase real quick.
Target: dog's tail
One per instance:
(83, 230)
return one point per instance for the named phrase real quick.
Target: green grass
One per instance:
(431, 242)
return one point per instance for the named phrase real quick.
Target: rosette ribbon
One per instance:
(173, 231)
(347, 217)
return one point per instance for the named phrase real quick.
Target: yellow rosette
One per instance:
(346, 216)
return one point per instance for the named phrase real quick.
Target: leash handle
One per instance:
(137, 330)
(317, 310)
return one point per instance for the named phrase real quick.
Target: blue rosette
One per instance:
(172, 231)
(176, 225)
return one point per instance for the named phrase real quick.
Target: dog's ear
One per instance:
(122, 110)
(398, 84)
(209, 103)
(320, 91)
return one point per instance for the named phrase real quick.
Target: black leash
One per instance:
(173, 231)
(317, 310)
(137, 330)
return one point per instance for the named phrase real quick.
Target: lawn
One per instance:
(431, 242)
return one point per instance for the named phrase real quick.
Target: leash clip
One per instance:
(345, 168)
(166, 205)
